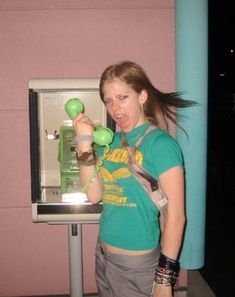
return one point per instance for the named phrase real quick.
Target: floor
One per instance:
(197, 286)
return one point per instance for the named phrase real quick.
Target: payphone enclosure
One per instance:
(56, 192)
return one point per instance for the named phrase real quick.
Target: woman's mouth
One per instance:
(121, 120)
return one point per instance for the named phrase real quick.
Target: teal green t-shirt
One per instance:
(129, 219)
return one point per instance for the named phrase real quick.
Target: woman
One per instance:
(133, 258)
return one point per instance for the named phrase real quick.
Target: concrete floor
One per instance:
(197, 286)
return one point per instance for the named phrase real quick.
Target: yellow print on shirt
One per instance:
(113, 188)
(121, 201)
(120, 155)
(116, 174)
(113, 192)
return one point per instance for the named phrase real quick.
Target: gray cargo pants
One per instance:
(125, 276)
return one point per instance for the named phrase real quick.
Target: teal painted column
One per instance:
(192, 80)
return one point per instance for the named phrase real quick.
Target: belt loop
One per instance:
(102, 251)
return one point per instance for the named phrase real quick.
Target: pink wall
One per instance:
(62, 39)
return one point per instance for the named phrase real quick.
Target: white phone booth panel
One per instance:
(56, 192)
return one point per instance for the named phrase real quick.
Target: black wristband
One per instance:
(167, 271)
(169, 263)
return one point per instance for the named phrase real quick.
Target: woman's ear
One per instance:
(143, 96)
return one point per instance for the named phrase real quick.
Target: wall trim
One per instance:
(84, 4)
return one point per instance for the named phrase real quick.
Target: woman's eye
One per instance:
(123, 97)
(107, 101)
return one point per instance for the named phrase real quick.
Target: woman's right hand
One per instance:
(83, 126)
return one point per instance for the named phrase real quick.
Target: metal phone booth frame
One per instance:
(55, 190)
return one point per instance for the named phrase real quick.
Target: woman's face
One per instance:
(124, 105)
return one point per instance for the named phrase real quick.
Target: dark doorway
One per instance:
(218, 270)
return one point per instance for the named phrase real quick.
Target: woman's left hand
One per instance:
(162, 291)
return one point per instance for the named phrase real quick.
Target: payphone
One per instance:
(69, 169)
(56, 191)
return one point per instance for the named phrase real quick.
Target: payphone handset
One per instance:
(69, 169)
(102, 136)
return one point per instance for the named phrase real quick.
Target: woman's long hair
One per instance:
(160, 107)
